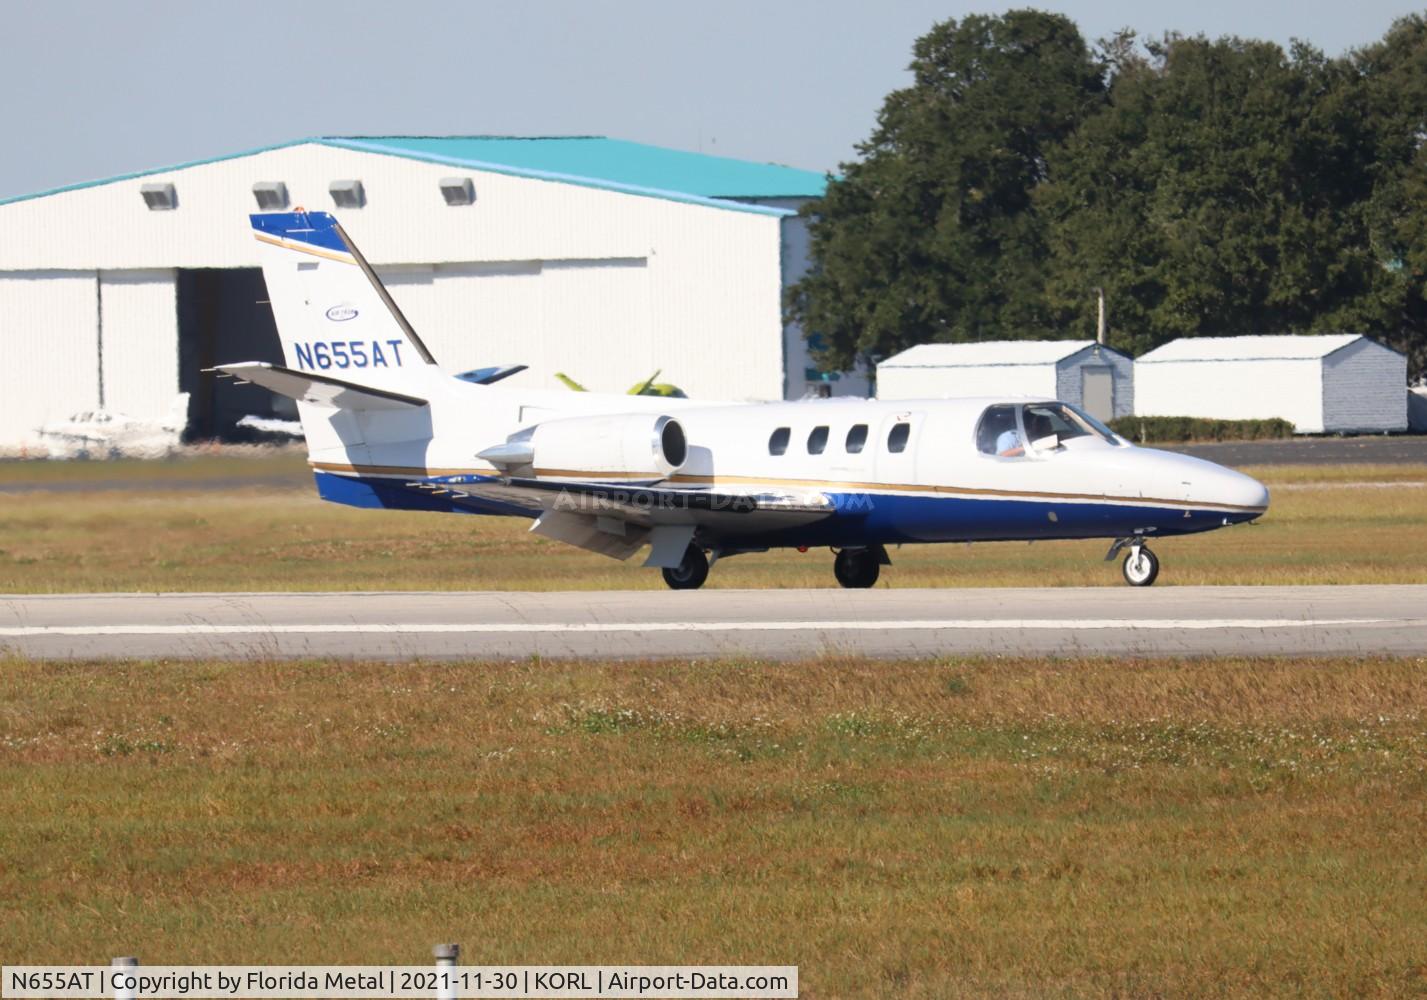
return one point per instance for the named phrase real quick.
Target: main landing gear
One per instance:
(854, 568)
(691, 572)
(858, 569)
(1141, 566)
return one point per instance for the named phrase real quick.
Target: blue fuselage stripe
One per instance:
(861, 518)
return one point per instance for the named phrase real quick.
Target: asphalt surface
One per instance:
(1379, 450)
(776, 624)
(161, 485)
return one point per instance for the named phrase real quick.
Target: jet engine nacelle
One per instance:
(623, 446)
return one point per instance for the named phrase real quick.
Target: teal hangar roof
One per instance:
(591, 161)
(604, 162)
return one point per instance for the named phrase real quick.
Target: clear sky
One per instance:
(93, 89)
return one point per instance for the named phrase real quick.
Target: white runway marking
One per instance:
(417, 628)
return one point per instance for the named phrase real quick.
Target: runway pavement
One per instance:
(1399, 449)
(764, 623)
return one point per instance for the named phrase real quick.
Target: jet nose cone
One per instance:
(1260, 493)
(1239, 490)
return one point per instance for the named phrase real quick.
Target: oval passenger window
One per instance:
(897, 437)
(817, 441)
(856, 438)
(778, 442)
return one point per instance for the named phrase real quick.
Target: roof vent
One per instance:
(270, 195)
(348, 194)
(458, 191)
(160, 197)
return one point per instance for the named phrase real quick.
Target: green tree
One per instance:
(934, 234)
(1394, 83)
(1222, 190)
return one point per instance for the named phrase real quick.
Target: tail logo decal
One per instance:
(342, 313)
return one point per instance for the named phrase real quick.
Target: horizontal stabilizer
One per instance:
(321, 389)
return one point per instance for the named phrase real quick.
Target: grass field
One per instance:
(1325, 526)
(920, 829)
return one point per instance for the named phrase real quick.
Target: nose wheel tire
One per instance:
(691, 572)
(1140, 567)
(856, 568)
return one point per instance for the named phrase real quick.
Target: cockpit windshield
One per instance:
(1012, 430)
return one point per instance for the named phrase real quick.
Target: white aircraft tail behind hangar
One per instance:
(695, 481)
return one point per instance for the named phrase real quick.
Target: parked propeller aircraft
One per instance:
(104, 433)
(696, 482)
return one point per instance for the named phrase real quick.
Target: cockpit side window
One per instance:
(1010, 431)
(999, 434)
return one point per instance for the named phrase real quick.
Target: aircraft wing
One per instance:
(618, 519)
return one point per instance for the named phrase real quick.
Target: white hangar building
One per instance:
(1327, 383)
(1097, 378)
(599, 258)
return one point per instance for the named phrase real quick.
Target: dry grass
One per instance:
(1321, 529)
(977, 828)
(232, 462)
(1281, 475)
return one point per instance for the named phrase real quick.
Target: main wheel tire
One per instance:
(691, 572)
(1140, 567)
(856, 568)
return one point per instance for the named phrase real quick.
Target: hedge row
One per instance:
(1178, 429)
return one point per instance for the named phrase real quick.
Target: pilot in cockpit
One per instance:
(1000, 426)
(1008, 443)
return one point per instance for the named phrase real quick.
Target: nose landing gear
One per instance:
(1141, 566)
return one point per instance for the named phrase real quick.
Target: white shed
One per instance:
(603, 259)
(1328, 383)
(1098, 378)
(1417, 408)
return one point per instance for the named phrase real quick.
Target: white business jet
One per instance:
(697, 482)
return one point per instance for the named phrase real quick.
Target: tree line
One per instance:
(1210, 187)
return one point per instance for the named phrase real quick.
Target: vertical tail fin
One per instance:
(338, 323)
(333, 314)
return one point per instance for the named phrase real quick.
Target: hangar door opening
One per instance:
(224, 316)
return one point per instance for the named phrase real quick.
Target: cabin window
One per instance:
(778, 441)
(817, 440)
(897, 437)
(856, 438)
